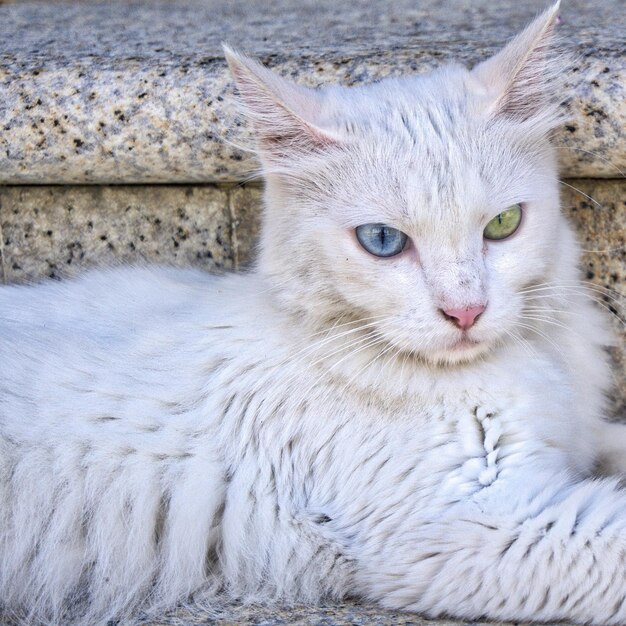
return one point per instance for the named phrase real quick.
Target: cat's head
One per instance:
(422, 206)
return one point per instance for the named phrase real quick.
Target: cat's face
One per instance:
(421, 206)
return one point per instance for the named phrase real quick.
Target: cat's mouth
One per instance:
(464, 349)
(464, 342)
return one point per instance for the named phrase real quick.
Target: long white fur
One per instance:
(311, 429)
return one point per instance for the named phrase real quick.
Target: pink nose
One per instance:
(464, 318)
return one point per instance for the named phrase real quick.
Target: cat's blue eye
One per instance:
(381, 240)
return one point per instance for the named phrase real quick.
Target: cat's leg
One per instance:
(271, 550)
(535, 548)
(611, 447)
(90, 542)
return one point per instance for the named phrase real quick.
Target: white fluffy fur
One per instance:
(315, 429)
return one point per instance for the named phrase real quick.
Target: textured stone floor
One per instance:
(346, 614)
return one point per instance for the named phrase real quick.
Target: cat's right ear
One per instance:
(522, 80)
(283, 114)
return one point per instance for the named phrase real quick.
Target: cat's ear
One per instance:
(520, 80)
(284, 115)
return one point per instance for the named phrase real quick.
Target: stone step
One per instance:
(128, 92)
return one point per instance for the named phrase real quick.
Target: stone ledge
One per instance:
(137, 92)
(58, 231)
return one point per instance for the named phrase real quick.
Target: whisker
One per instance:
(595, 154)
(336, 325)
(550, 310)
(329, 337)
(599, 302)
(369, 364)
(546, 337)
(606, 251)
(357, 342)
(581, 284)
(368, 344)
(582, 193)
(546, 320)
(312, 349)
(581, 290)
(564, 297)
(593, 285)
(521, 342)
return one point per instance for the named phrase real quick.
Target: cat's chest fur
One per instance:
(448, 439)
(346, 469)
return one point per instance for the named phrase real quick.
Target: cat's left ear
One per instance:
(520, 80)
(285, 116)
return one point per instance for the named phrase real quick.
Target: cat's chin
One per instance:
(464, 350)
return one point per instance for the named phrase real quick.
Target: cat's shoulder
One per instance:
(112, 279)
(123, 295)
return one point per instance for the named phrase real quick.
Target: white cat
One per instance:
(403, 403)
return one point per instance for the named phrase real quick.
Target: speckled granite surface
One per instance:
(49, 231)
(57, 231)
(137, 92)
(346, 614)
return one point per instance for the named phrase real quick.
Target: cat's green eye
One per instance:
(504, 224)
(381, 240)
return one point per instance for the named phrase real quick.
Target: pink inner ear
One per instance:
(283, 114)
(522, 77)
(287, 134)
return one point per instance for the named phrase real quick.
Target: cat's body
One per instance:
(200, 433)
(313, 430)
